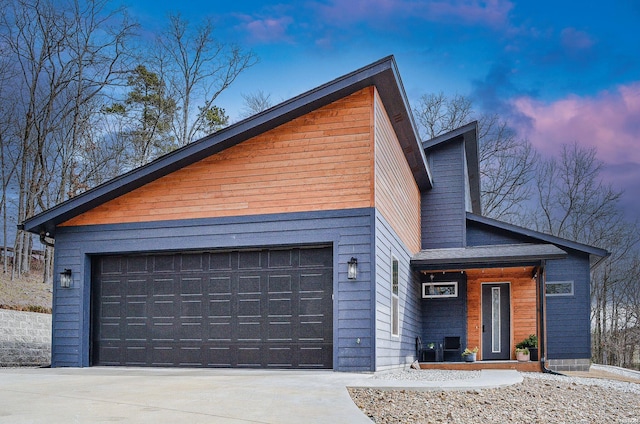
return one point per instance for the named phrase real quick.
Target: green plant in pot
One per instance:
(531, 343)
(522, 354)
(469, 355)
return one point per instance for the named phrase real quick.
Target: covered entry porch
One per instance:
(486, 297)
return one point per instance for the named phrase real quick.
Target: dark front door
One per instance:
(266, 308)
(496, 318)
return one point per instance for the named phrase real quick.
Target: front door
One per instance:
(496, 318)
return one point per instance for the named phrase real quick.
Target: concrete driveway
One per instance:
(134, 395)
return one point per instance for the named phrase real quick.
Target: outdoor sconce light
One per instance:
(65, 279)
(352, 269)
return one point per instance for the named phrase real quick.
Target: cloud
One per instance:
(266, 30)
(608, 121)
(572, 39)
(486, 13)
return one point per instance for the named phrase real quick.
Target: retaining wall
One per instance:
(25, 339)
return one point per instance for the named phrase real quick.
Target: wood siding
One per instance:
(320, 161)
(397, 196)
(524, 305)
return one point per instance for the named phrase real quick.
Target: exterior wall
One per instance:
(394, 351)
(524, 305)
(25, 339)
(397, 196)
(479, 235)
(445, 317)
(320, 161)
(569, 317)
(443, 207)
(350, 232)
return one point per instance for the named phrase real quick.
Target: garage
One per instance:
(260, 308)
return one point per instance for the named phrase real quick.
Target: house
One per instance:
(321, 233)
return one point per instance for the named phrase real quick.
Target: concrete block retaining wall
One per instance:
(25, 338)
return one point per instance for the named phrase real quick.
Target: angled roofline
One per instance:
(469, 134)
(596, 254)
(383, 74)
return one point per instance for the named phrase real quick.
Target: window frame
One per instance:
(439, 296)
(395, 297)
(570, 282)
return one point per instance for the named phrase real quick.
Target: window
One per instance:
(559, 288)
(439, 290)
(395, 308)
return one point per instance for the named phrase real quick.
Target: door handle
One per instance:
(483, 328)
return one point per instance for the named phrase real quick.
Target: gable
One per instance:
(319, 161)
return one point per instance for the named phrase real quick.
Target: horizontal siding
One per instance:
(397, 196)
(349, 231)
(320, 161)
(482, 235)
(443, 207)
(569, 317)
(394, 351)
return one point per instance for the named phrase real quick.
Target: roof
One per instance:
(382, 74)
(486, 256)
(469, 134)
(596, 254)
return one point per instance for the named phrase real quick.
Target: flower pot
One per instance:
(533, 353)
(470, 358)
(522, 357)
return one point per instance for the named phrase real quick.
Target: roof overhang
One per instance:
(596, 254)
(382, 74)
(493, 256)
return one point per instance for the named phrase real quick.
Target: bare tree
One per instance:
(506, 161)
(254, 103)
(197, 68)
(63, 53)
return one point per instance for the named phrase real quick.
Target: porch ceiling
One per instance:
(485, 256)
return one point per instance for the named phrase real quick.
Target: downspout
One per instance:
(542, 340)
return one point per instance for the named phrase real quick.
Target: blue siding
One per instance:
(569, 317)
(443, 207)
(393, 351)
(481, 235)
(445, 317)
(350, 232)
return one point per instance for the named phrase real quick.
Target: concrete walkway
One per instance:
(79, 395)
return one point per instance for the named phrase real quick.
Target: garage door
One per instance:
(250, 308)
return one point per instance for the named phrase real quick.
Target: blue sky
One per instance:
(558, 71)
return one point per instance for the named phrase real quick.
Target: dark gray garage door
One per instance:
(249, 308)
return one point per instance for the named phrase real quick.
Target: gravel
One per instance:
(540, 398)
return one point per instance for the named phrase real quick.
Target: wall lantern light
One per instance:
(352, 269)
(65, 279)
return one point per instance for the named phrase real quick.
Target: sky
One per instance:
(558, 71)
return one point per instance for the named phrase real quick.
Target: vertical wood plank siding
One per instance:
(320, 161)
(397, 195)
(524, 309)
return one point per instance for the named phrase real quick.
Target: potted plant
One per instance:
(530, 343)
(522, 354)
(469, 355)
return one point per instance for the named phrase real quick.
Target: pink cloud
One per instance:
(608, 121)
(492, 13)
(572, 39)
(267, 30)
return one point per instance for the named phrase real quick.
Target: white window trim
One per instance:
(395, 312)
(439, 296)
(559, 294)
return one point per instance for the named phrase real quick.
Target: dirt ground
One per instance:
(601, 374)
(25, 293)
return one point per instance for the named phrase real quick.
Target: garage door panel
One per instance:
(257, 308)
